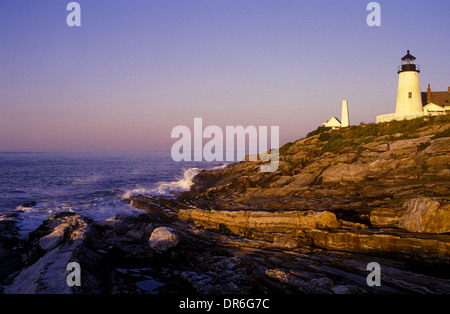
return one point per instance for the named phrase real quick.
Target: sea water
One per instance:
(94, 184)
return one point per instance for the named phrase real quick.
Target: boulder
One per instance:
(387, 217)
(438, 160)
(426, 215)
(135, 235)
(52, 240)
(162, 239)
(345, 172)
(48, 274)
(404, 145)
(63, 226)
(368, 241)
(246, 223)
(304, 179)
(28, 204)
(109, 223)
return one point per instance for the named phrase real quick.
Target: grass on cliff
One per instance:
(408, 127)
(353, 139)
(353, 136)
(445, 133)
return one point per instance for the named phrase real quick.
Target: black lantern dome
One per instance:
(408, 64)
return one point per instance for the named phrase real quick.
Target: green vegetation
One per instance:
(353, 140)
(433, 177)
(354, 136)
(424, 167)
(445, 133)
(319, 130)
(405, 127)
(335, 141)
(290, 167)
(422, 146)
(283, 149)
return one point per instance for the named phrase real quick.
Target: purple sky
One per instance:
(136, 69)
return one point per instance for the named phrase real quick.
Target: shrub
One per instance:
(335, 144)
(422, 146)
(424, 167)
(445, 133)
(283, 149)
(290, 166)
(324, 137)
(335, 141)
(319, 130)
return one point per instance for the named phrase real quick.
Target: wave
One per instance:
(30, 218)
(129, 193)
(184, 184)
(167, 188)
(181, 185)
(222, 166)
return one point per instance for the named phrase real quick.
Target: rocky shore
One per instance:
(339, 201)
(142, 254)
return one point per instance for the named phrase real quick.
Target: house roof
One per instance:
(433, 107)
(436, 97)
(333, 122)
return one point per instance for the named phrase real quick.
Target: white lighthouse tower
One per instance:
(409, 98)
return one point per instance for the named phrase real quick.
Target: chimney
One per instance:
(344, 117)
(449, 89)
(428, 94)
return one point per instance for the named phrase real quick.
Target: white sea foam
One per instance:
(167, 188)
(97, 196)
(31, 217)
(88, 184)
(222, 166)
(181, 185)
(137, 191)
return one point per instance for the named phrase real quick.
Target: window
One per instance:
(409, 95)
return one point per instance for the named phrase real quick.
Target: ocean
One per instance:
(94, 184)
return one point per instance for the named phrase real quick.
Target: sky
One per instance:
(136, 69)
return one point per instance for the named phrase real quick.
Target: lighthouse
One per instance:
(411, 103)
(409, 98)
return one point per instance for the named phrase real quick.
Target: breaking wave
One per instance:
(167, 188)
(181, 185)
